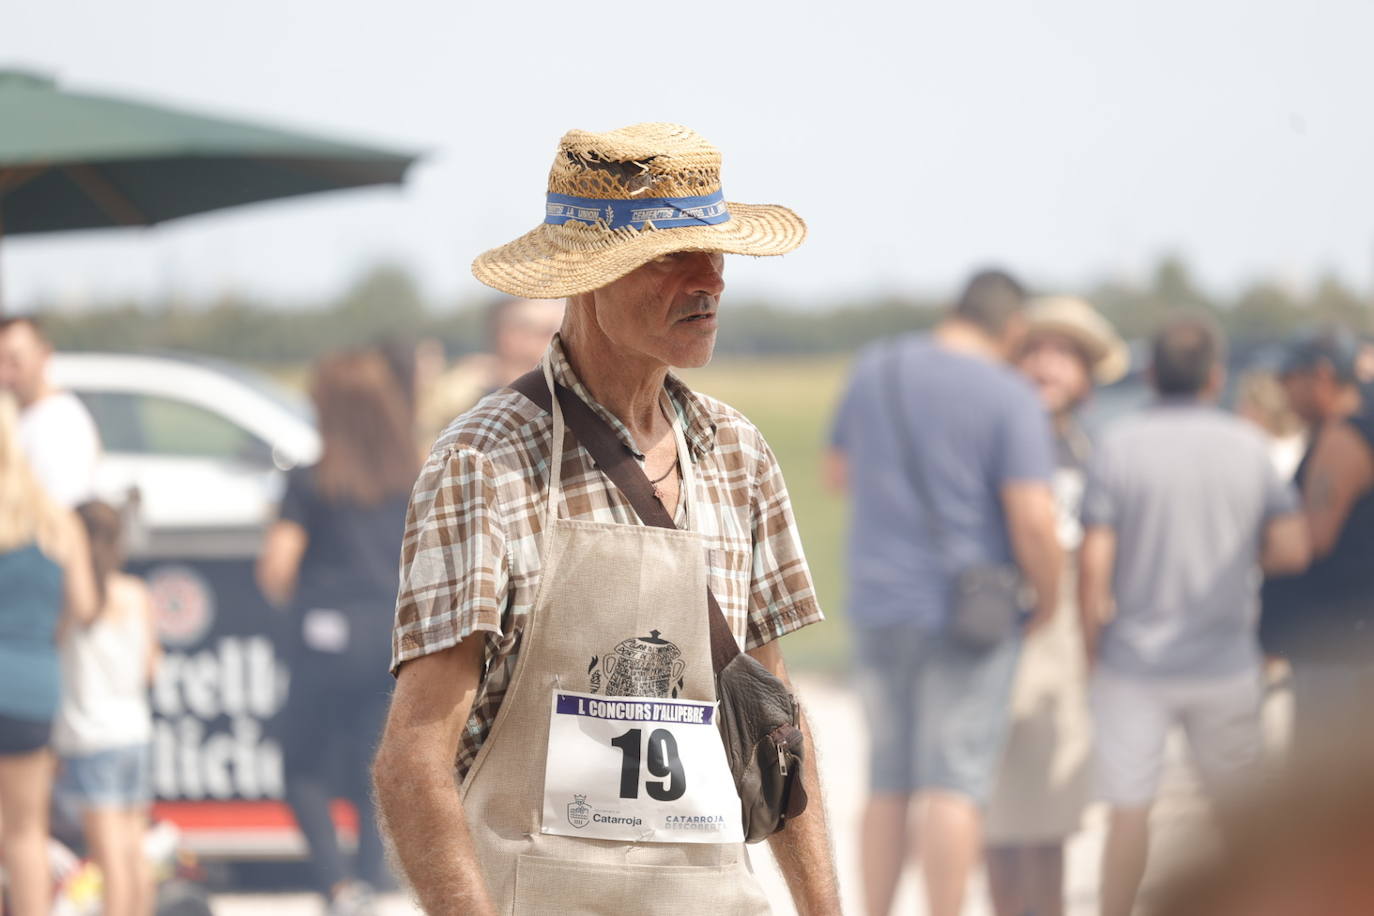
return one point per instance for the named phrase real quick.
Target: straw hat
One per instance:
(620, 199)
(1079, 321)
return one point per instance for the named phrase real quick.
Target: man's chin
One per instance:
(695, 357)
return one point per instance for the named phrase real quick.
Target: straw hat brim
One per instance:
(557, 261)
(1108, 353)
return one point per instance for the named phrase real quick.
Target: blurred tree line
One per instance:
(387, 302)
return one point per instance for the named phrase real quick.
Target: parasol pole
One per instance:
(2, 243)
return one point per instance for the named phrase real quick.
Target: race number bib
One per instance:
(638, 769)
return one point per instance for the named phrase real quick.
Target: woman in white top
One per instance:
(104, 726)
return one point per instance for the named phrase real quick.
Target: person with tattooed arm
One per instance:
(1322, 620)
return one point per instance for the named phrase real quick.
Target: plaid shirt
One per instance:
(470, 561)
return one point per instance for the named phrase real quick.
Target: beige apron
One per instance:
(612, 601)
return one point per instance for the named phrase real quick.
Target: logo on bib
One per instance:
(642, 666)
(579, 812)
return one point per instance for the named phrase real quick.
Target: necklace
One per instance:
(658, 492)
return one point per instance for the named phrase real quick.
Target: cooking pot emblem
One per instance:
(643, 666)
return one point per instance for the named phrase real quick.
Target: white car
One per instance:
(203, 443)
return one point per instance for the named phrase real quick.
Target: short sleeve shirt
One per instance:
(969, 427)
(349, 561)
(1187, 489)
(62, 446)
(471, 562)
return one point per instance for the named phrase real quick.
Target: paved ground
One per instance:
(838, 725)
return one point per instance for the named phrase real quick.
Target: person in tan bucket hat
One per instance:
(530, 590)
(1044, 782)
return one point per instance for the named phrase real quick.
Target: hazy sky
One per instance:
(1068, 139)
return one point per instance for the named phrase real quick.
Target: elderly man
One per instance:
(529, 590)
(55, 430)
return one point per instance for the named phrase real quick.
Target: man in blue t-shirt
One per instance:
(940, 413)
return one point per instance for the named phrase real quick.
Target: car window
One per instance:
(178, 428)
(116, 419)
(147, 424)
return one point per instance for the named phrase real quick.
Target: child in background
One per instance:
(104, 726)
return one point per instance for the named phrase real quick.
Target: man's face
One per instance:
(525, 330)
(666, 309)
(23, 362)
(1057, 368)
(1313, 392)
(1300, 387)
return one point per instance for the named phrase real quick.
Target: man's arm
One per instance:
(1096, 560)
(279, 563)
(802, 849)
(1287, 549)
(835, 463)
(1030, 513)
(80, 597)
(1342, 471)
(414, 777)
(835, 470)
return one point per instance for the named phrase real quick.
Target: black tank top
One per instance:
(1327, 612)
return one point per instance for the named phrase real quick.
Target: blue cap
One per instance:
(1336, 347)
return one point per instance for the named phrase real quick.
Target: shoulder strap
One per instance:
(616, 462)
(906, 447)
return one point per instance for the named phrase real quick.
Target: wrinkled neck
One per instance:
(627, 384)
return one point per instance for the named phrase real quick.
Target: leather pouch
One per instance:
(764, 745)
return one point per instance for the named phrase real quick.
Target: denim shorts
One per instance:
(117, 778)
(938, 712)
(23, 736)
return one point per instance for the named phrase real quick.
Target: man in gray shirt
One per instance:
(948, 404)
(1183, 507)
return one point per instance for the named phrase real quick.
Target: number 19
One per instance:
(663, 762)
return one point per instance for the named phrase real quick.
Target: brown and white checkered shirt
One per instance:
(471, 559)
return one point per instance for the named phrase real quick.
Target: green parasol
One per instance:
(76, 161)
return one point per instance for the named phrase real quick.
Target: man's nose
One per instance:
(707, 274)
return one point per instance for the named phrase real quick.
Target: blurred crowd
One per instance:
(1037, 598)
(77, 645)
(1039, 603)
(78, 641)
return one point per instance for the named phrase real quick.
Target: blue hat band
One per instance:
(662, 212)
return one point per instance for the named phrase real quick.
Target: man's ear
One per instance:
(1216, 381)
(1014, 333)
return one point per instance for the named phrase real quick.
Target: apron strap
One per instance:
(616, 462)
